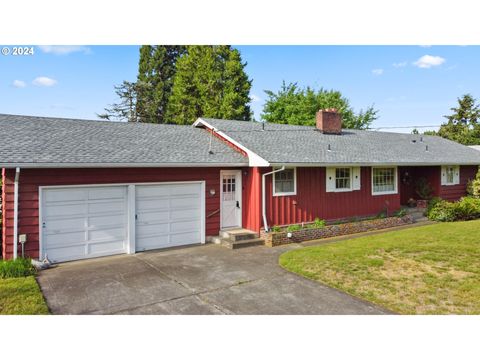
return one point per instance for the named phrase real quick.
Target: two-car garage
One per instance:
(79, 222)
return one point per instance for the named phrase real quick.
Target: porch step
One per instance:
(241, 243)
(239, 238)
(238, 234)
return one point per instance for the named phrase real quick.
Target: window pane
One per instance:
(284, 181)
(342, 178)
(383, 179)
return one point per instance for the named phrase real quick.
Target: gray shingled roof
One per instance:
(288, 144)
(37, 141)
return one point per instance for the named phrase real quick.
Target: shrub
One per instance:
(317, 224)
(473, 186)
(467, 208)
(276, 228)
(295, 227)
(401, 213)
(16, 268)
(442, 211)
(431, 204)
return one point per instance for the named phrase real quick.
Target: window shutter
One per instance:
(330, 179)
(356, 181)
(456, 175)
(444, 175)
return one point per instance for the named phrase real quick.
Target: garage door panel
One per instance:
(65, 239)
(185, 238)
(65, 254)
(153, 216)
(105, 247)
(156, 241)
(106, 207)
(185, 226)
(152, 204)
(185, 214)
(102, 235)
(118, 220)
(65, 225)
(190, 202)
(65, 210)
(149, 191)
(107, 193)
(152, 229)
(65, 195)
(185, 189)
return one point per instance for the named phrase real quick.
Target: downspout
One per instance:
(264, 201)
(15, 213)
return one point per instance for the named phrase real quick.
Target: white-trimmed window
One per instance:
(343, 179)
(285, 182)
(450, 175)
(384, 180)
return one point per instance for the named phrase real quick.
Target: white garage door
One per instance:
(168, 215)
(84, 222)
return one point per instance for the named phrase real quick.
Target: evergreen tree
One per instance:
(210, 82)
(463, 124)
(296, 106)
(156, 67)
(127, 108)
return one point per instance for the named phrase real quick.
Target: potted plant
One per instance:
(424, 190)
(412, 202)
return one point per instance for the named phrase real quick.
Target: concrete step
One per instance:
(238, 234)
(231, 244)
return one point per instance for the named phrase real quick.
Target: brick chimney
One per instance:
(329, 121)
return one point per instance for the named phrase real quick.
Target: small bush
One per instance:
(473, 186)
(294, 228)
(467, 208)
(431, 204)
(442, 211)
(276, 228)
(16, 268)
(317, 224)
(401, 213)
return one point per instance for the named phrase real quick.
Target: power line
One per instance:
(405, 127)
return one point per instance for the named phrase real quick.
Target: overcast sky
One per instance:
(409, 85)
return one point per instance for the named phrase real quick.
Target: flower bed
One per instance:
(281, 238)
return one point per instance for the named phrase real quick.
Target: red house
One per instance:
(77, 189)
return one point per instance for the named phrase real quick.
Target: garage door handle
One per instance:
(238, 205)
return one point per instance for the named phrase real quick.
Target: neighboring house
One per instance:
(80, 189)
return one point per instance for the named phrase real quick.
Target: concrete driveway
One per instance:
(205, 279)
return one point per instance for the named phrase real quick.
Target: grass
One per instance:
(19, 291)
(21, 296)
(432, 269)
(16, 268)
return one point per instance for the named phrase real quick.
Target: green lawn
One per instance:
(432, 269)
(21, 296)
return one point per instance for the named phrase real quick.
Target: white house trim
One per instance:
(254, 160)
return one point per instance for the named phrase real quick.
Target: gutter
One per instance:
(264, 201)
(15, 213)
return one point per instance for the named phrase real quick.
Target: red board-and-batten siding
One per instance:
(312, 200)
(31, 179)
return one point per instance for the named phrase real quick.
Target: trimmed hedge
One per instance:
(467, 208)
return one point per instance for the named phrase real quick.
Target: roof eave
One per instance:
(118, 165)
